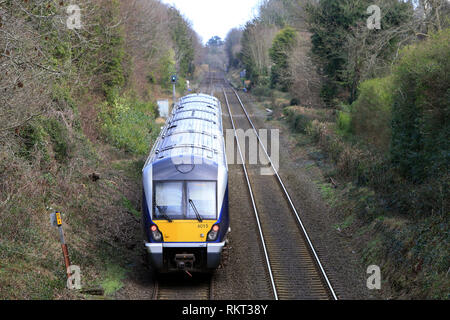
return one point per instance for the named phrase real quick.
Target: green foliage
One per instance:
(126, 203)
(215, 41)
(109, 58)
(33, 139)
(60, 138)
(38, 135)
(262, 91)
(183, 39)
(421, 109)
(333, 24)
(328, 92)
(371, 112)
(344, 122)
(129, 124)
(113, 71)
(61, 94)
(330, 22)
(298, 122)
(279, 54)
(113, 279)
(167, 67)
(419, 250)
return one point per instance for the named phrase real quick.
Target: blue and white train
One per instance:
(185, 182)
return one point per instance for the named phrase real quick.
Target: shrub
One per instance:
(262, 91)
(344, 120)
(33, 140)
(129, 124)
(421, 105)
(328, 92)
(371, 112)
(298, 122)
(59, 136)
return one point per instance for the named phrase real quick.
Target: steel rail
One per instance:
(253, 201)
(305, 233)
(160, 290)
(170, 291)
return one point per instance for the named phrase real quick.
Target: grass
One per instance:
(130, 207)
(129, 123)
(31, 262)
(112, 280)
(328, 193)
(348, 221)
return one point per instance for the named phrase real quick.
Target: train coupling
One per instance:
(184, 261)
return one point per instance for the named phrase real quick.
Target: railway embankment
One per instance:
(341, 177)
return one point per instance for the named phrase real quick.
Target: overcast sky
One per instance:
(215, 17)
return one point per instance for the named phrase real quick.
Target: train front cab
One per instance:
(187, 221)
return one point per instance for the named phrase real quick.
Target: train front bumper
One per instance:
(213, 252)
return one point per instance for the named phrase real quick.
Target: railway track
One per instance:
(294, 268)
(183, 287)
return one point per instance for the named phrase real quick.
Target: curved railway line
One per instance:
(291, 261)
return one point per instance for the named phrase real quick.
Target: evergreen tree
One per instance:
(279, 54)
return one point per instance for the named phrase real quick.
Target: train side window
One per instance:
(168, 200)
(203, 195)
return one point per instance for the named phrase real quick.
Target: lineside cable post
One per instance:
(56, 221)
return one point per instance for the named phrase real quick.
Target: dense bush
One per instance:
(371, 112)
(60, 138)
(421, 106)
(262, 91)
(33, 138)
(129, 124)
(41, 136)
(298, 121)
(344, 122)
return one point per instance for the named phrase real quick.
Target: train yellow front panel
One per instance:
(185, 230)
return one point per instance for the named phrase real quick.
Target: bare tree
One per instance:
(256, 42)
(306, 82)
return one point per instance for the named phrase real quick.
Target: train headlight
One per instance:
(156, 235)
(212, 235)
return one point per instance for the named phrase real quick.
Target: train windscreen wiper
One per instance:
(199, 217)
(163, 214)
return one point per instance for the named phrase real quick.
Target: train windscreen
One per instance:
(203, 196)
(185, 200)
(168, 200)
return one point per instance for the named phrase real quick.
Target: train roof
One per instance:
(193, 129)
